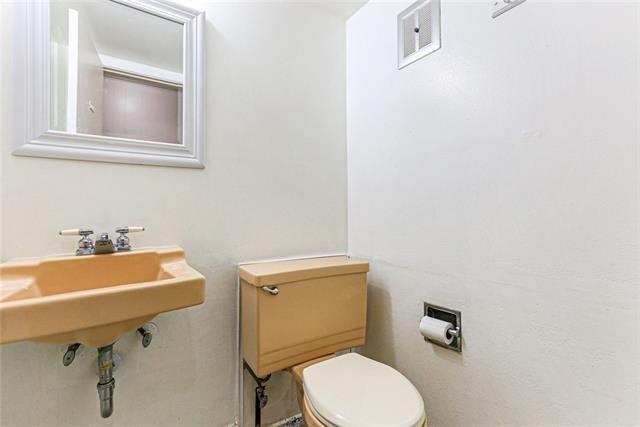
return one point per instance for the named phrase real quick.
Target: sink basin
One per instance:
(93, 299)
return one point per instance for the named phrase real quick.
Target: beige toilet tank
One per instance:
(295, 311)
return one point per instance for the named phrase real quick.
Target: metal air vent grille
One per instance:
(418, 31)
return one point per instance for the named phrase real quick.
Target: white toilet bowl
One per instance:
(354, 391)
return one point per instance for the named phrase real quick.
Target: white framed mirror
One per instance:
(110, 80)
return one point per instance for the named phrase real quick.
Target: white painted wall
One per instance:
(274, 185)
(59, 28)
(499, 176)
(90, 82)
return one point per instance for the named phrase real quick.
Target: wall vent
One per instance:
(418, 31)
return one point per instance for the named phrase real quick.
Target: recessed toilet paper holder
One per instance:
(447, 315)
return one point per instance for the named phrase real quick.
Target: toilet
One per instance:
(301, 316)
(353, 391)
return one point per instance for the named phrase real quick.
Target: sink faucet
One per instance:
(103, 245)
(122, 242)
(85, 244)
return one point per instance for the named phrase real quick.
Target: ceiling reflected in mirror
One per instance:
(116, 71)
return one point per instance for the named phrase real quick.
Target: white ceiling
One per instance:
(130, 34)
(342, 9)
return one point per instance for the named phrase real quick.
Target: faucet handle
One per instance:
(129, 229)
(76, 232)
(122, 242)
(85, 244)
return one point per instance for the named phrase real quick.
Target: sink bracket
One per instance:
(70, 354)
(146, 332)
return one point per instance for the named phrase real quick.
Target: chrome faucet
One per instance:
(103, 245)
(122, 242)
(85, 244)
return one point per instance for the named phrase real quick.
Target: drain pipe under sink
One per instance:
(106, 383)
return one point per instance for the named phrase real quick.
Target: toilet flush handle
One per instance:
(270, 289)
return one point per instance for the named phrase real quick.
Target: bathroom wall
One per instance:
(90, 81)
(274, 185)
(499, 176)
(159, 119)
(59, 65)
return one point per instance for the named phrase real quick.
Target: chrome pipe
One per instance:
(106, 382)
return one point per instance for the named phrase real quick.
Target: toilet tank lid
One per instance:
(278, 272)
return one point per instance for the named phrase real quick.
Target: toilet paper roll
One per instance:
(436, 330)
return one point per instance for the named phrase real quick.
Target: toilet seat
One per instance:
(317, 419)
(354, 391)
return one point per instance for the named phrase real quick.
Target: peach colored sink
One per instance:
(93, 299)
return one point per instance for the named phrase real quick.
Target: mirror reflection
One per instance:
(116, 71)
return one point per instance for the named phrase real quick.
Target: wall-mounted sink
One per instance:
(93, 299)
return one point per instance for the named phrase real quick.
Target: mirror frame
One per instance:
(32, 95)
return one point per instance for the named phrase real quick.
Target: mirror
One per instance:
(116, 71)
(122, 81)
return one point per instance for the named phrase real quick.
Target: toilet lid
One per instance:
(353, 391)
